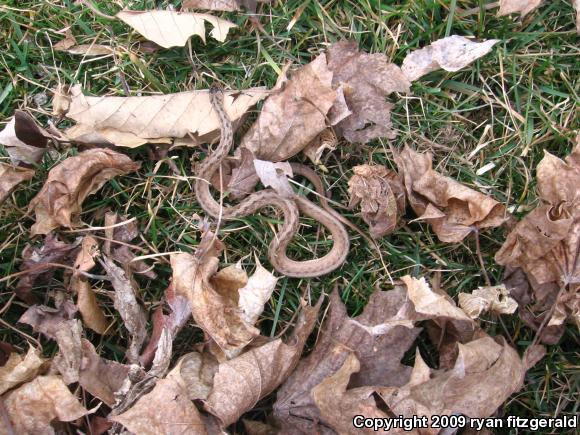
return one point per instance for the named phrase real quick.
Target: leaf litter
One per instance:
(356, 364)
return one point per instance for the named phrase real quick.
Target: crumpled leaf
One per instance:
(18, 370)
(24, 140)
(215, 311)
(523, 7)
(326, 140)
(451, 54)
(48, 320)
(223, 5)
(546, 242)
(68, 184)
(241, 382)
(167, 409)
(381, 197)
(452, 209)
(495, 299)
(10, 177)
(275, 175)
(68, 360)
(256, 293)
(32, 407)
(379, 337)
(366, 80)
(172, 28)
(125, 302)
(36, 262)
(134, 121)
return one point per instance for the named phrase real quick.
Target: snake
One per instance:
(291, 207)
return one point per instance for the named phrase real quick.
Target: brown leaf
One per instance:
(70, 182)
(223, 5)
(523, 7)
(378, 339)
(256, 293)
(134, 121)
(366, 81)
(68, 360)
(47, 320)
(381, 196)
(32, 407)
(125, 302)
(293, 117)
(215, 311)
(451, 54)
(495, 299)
(18, 370)
(167, 409)
(61, 100)
(24, 140)
(275, 175)
(10, 177)
(35, 261)
(326, 140)
(241, 382)
(172, 28)
(453, 210)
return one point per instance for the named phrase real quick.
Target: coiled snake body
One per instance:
(291, 208)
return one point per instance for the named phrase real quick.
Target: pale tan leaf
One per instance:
(172, 28)
(325, 141)
(275, 175)
(366, 81)
(451, 54)
(453, 210)
(134, 121)
(256, 293)
(68, 360)
(523, 7)
(61, 100)
(223, 5)
(495, 299)
(381, 196)
(24, 140)
(10, 177)
(90, 50)
(241, 382)
(576, 4)
(18, 370)
(68, 184)
(32, 407)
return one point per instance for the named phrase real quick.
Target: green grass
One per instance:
(523, 97)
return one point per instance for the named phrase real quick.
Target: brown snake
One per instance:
(268, 197)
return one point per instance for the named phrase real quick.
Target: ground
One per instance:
(520, 100)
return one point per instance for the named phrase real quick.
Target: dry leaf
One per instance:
(172, 28)
(326, 140)
(215, 311)
(366, 80)
(378, 337)
(24, 140)
(453, 210)
(523, 7)
(70, 182)
(381, 196)
(495, 299)
(241, 382)
(576, 4)
(47, 320)
(37, 262)
(293, 117)
(10, 177)
(134, 121)
(223, 5)
(545, 245)
(32, 407)
(256, 293)
(68, 360)
(18, 370)
(61, 100)
(451, 54)
(125, 301)
(167, 409)
(275, 175)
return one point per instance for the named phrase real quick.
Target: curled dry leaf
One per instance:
(451, 54)
(275, 175)
(39, 263)
(24, 140)
(68, 184)
(241, 382)
(125, 302)
(523, 7)
(453, 210)
(134, 121)
(256, 293)
(214, 309)
(172, 28)
(223, 5)
(19, 370)
(366, 80)
(34, 406)
(47, 320)
(381, 197)
(10, 177)
(495, 299)
(326, 140)
(546, 242)
(379, 337)
(69, 45)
